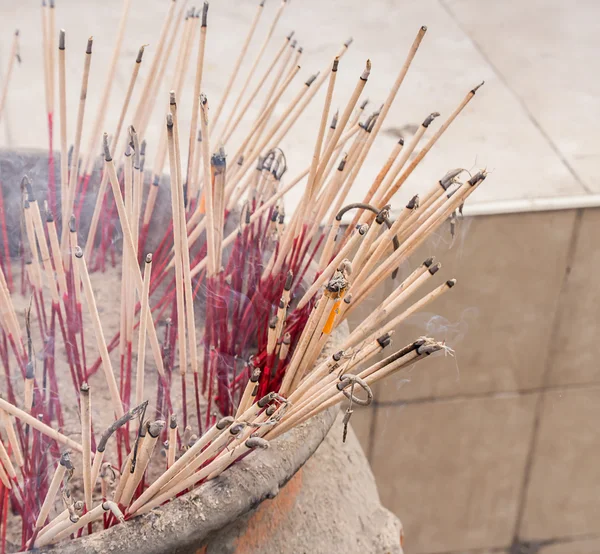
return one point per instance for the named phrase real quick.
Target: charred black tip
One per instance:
(90, 42)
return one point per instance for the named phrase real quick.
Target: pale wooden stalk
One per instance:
(299, 216)
(181, 321)
(251, 72)
(4, 478)
(238, 62)
(405, 155)
(106, 91)
(250, 392)
(59, 473)
(143, 459)
(86, 443)
(330, 269)
(207, 188)
(6, 463)
(14, 53)
(393, 301)
(150, 101)
(191, 182)
(172, 441)
(428, 146)
(144, 309)
(55, 253)
(68, 204)
(253, 95)
(182, 462)
(62, 107)
(109, 375)
(115, 141)
(8, 408)
(138, 281)
(145, 95)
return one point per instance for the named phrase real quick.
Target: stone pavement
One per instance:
(532, 124)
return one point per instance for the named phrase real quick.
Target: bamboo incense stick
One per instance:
(141, 361)
(111, 382)
(238, 62)
(70, 197)
(8, 408)
(86, 443)
(14, 55)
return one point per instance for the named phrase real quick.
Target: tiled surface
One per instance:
(452, 470)
(563, 493)
(494, 131)
(539, 64)
(589, 546)
(499, 316)
(575, 357)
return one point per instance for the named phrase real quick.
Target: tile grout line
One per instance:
(539, 406)
(524, 106)
(490, 394)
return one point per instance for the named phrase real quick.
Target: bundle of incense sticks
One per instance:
(222, 327)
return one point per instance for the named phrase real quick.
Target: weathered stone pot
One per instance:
(187, 523)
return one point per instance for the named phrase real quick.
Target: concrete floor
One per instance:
(495, 450)
(531, 125)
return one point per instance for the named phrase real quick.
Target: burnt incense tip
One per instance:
(364, 104)
(264, 401)
(335, 64)
(140, 53)
(294, 44)
(143, 147)
(384, 340)
(348, 298)
(450, 178)
(49, 216)
(366, 72)
(65, 460)
(155, 428)
(334, 119)
(128, 151)
(173, 421)
(273, 322)
(224, 422)
(148, 258)
(204, 14)
(300, 50)
(401, 141)
(270, 410)
(289, 37)
(288, 281)
(435, 268)
(430, 118)
(172, 100)
(338, 356)
(85, 388)
(312, 79)
(424, 28)
(451, 283)
(29, 371)
(170, 122)
(348, 42)
(72, 227)
(106, 148)
(362, 229)
(26, 186)
(51, 3)
(61, 39)
(78, 252)
(237, 428)
(479, 176)
(156, 181)
(413, 202)
(343, 161)
(429, 262)
(218, 159)
(262, 3)
(90, 42)
(287, 338)
(257, 442)
(475, 89)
